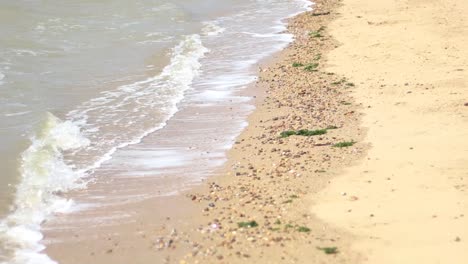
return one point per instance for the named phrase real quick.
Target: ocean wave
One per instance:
(57, 25)
(46, 173)
(212, 28)
(17, 113)
(26, 52)
(152, 101)
(44, 176)
(99, 127)
(155, 37)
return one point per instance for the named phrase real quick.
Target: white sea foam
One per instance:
(26, 52)
(212, 28)
(44, 175)
(17, 113)
(161, 93)
(2, 76)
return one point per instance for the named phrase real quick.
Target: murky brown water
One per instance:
(86, 91)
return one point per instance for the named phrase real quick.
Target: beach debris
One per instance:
(303, 229)
(328, 250)
(214, 226)
(344, 144)
(311, 67)
(281, 158)
(247, 224)
(159, 243)
(303, 132)
(321, 13)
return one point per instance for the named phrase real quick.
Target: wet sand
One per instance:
(268, 182)
(388, 78)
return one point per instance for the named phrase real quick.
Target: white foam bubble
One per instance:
(16, 113)
(161, 93)
(212, 28)
(26, 52)
(44, 174)
(44, 171)
(2, 76)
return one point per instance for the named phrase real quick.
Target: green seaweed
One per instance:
(247, 224)
(303, 132)
(315, 34)
(297, 64)
(328, 250)
(311, 67)
(344, 144)
(303, 229)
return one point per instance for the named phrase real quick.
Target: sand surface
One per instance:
(409, 60)
(389, 76)
(268, 180)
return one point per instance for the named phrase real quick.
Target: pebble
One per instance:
(261, 191)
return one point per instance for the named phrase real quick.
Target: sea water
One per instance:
(83, 83)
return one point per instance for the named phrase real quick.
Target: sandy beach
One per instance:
(356, 153)
(409, 62)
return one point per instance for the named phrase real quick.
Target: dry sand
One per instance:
(409, 60)
(395, 83)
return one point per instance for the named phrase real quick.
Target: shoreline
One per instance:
(204, 227)
(69, 243)
(397, 194)
(131, 107)
(284, 230)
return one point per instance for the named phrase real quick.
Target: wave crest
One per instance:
(45, 175)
